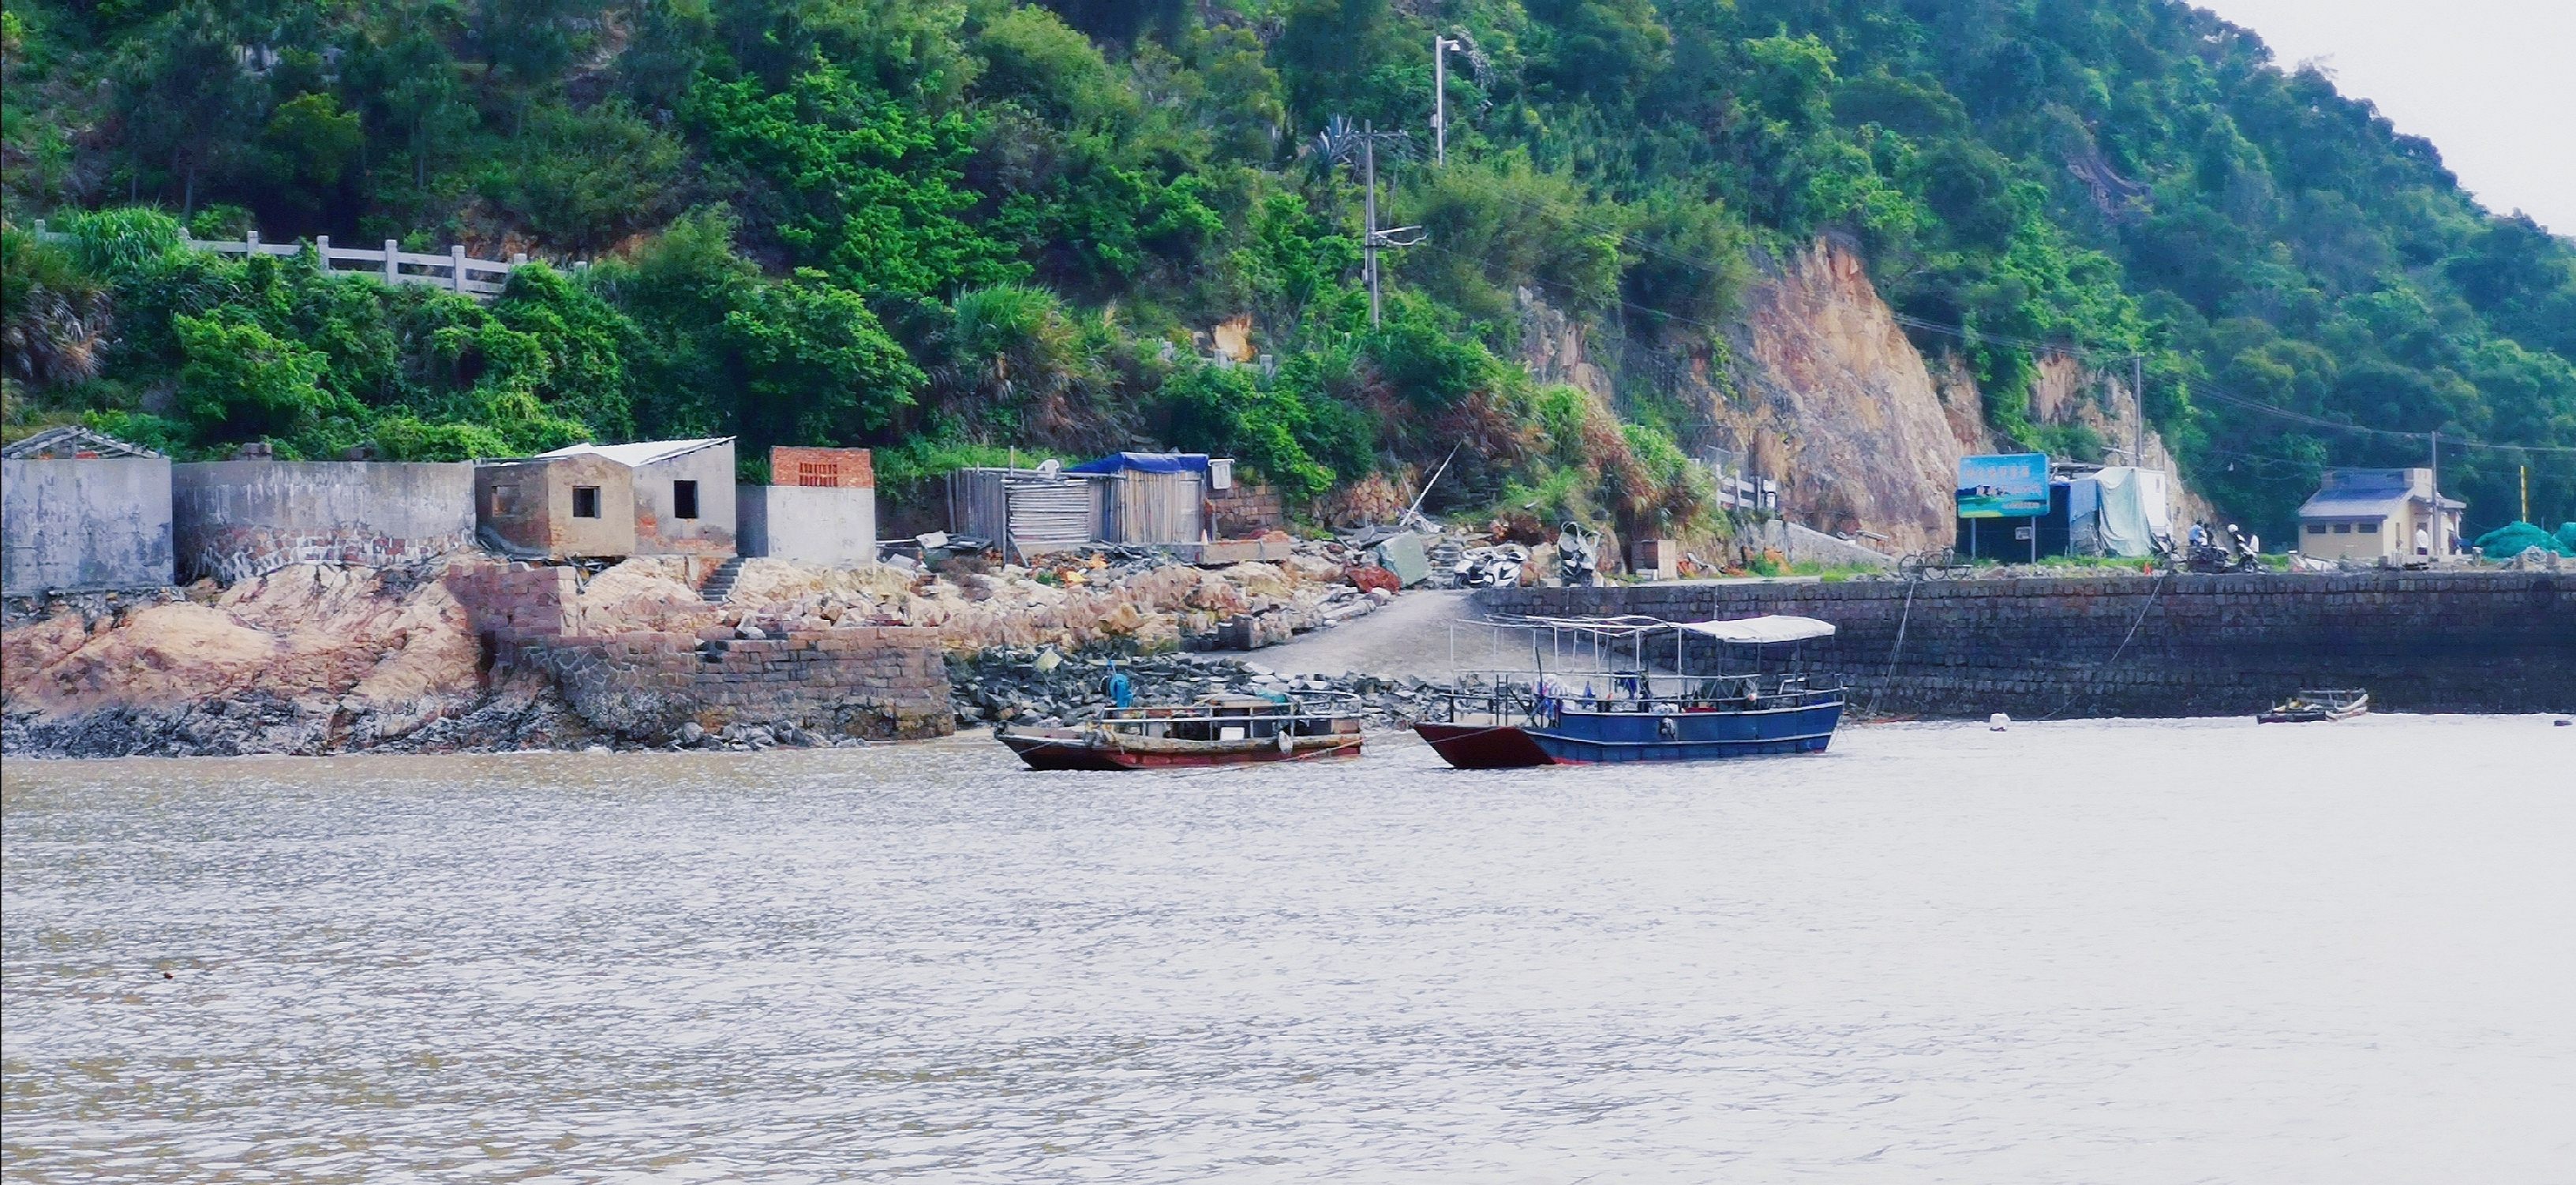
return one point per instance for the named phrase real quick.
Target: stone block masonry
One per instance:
(881, 682)
(516, 603)
(2202, 645)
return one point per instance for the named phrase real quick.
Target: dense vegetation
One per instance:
(946, 227)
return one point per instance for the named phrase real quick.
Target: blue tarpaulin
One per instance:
(1144, 463)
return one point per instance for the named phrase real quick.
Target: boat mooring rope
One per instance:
(2095, 687)
(1899, 648)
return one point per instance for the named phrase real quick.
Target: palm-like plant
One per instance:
(55, 320)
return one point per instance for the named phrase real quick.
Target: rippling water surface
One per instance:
(2144, 952)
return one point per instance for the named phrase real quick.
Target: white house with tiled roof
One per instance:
(2373, 514)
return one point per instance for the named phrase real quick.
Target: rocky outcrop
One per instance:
(1836, 397)
(1819, 388)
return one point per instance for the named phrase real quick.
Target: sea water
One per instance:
(2090, 951)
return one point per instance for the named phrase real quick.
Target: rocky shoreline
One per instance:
(1038, 686)
(322, 659)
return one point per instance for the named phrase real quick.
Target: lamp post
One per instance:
(1440, 47)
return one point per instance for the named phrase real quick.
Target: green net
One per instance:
(2512, 539)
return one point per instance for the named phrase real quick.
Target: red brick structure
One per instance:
(843, 468)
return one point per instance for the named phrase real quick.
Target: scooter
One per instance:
(1578, 556)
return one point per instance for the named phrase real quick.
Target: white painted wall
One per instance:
(830, 525)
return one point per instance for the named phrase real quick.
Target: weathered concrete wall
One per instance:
(2204, 645)
(84, 525)
(658, 528)
(237, 519)
(870, 681)
(830, 525)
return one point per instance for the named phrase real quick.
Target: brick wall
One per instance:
(514, 603)
(2203, 645)
(872, 681)
(846, 468)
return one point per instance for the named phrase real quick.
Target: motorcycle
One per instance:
(2207, 555)
(1578, 556)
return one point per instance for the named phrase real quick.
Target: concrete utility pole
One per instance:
(2138, 390)
(1339, 143)
(2436, 436)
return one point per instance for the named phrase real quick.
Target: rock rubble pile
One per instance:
(1043, 686)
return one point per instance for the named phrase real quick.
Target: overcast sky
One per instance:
(2492, 83)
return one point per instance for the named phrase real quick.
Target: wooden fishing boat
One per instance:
(1222, 729)
(1627, 711)
(2314, 704)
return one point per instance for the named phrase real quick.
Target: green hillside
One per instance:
(945, 229)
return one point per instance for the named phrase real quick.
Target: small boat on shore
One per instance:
(2315, 704)
(1624, 710)
(1222, 729)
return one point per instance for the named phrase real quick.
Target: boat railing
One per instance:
(1525, 696)
(1300, 712)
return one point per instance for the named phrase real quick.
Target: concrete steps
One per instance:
(719, 585)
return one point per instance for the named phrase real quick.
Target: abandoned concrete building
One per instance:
(655, 497)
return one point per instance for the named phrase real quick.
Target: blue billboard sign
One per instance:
(2003, 485)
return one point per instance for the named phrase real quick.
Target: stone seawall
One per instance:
(877, 682)
(2202, 645)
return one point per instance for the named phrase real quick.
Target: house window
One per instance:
(684, 499)
(585, 501)
(2368, 528)
(2316, 528)
(2343, 528)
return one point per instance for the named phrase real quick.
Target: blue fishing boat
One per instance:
(1592, 694)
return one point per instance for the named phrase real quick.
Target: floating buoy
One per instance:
(1998, 722)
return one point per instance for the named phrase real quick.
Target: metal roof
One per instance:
(642, 452)
(2368, 504)
(68, 440)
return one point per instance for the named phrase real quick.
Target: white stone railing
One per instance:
(453, 271)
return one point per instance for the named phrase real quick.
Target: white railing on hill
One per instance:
(453, 271)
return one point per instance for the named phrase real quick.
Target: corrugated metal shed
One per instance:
(1156, 507)
(1050, 515)
(1025, 511)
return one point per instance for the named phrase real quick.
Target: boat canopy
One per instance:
(1770, 627)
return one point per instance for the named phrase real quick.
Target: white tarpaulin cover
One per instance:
(1767, 628)
(2130, 512)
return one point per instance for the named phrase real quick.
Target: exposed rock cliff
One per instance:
(1821, 390)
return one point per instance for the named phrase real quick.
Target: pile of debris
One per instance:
(1045, 686)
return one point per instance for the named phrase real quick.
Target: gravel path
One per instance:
(1408, 637)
